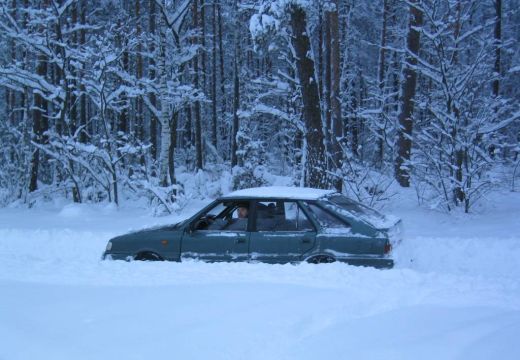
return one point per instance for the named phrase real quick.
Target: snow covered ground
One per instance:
(454, 294)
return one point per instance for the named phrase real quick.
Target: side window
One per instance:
(294, 213)
(281, 216)
(268, 215)
(225, 216)
(326, 219)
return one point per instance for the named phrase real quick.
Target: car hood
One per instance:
(149, 229)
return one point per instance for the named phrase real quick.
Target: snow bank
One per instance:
(454, 294)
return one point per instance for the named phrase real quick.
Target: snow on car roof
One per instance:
(284, 192)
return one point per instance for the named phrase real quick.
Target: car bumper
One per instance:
(115, 256)
(378, 263)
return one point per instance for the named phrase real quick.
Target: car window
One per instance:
(281, 216)
(224, 216)
(294, 213)
(217, 210)
(354, 208)
(326, 219)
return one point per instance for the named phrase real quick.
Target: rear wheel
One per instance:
(321, 259)
(148, 256)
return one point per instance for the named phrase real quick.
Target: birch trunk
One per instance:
(164, 116)
(381, 85)
(335, 105)
(151, 74)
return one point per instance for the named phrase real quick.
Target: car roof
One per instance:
(279, 192)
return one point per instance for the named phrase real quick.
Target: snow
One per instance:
(261, 23)
(514, 69)
(285, 192)
(454, 293)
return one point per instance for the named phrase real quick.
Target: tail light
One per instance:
(395, 233)
(388, 248)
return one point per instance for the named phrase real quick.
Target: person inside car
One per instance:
(240, 223)
(243, 211)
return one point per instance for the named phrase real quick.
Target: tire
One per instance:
(148, 256)
(321, 259)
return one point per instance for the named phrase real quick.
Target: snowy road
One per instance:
(454, 294)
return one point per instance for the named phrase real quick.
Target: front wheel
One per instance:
(148, 256)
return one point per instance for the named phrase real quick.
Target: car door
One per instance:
(336, 235)
(282, 232)
(218, 235)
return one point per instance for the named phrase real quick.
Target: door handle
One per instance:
(306, 241)
(240, 241)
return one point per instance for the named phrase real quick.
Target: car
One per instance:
(275, 225)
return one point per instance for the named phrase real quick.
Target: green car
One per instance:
(273, 225)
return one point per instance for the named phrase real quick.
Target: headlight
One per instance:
(109, 246)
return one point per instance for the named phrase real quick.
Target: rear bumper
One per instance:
(378, 263)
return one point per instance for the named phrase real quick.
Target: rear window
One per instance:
(355, 209)
(326, 220)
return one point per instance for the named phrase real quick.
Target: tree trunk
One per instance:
(460, 150)
(316, 165)
(40, 124)
(214, 70)
(335, 105)
(381, 85)
(202, 19)
(327, 81)
(353, 122)
(82, 89)
(236, 96)
(197, 115)
(10, 98)
(165, 118)
(73, 123)
(138, 126)
(498, 44)
(123, 125)
(173, 145)
(319, 64)
(151, 74)
(225, 133)
(40, 120)
(404, 141)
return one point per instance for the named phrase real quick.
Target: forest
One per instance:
(114, 100)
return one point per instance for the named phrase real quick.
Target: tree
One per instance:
(337, 121)
(294, 14)
(236, 95)
(404, 141)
